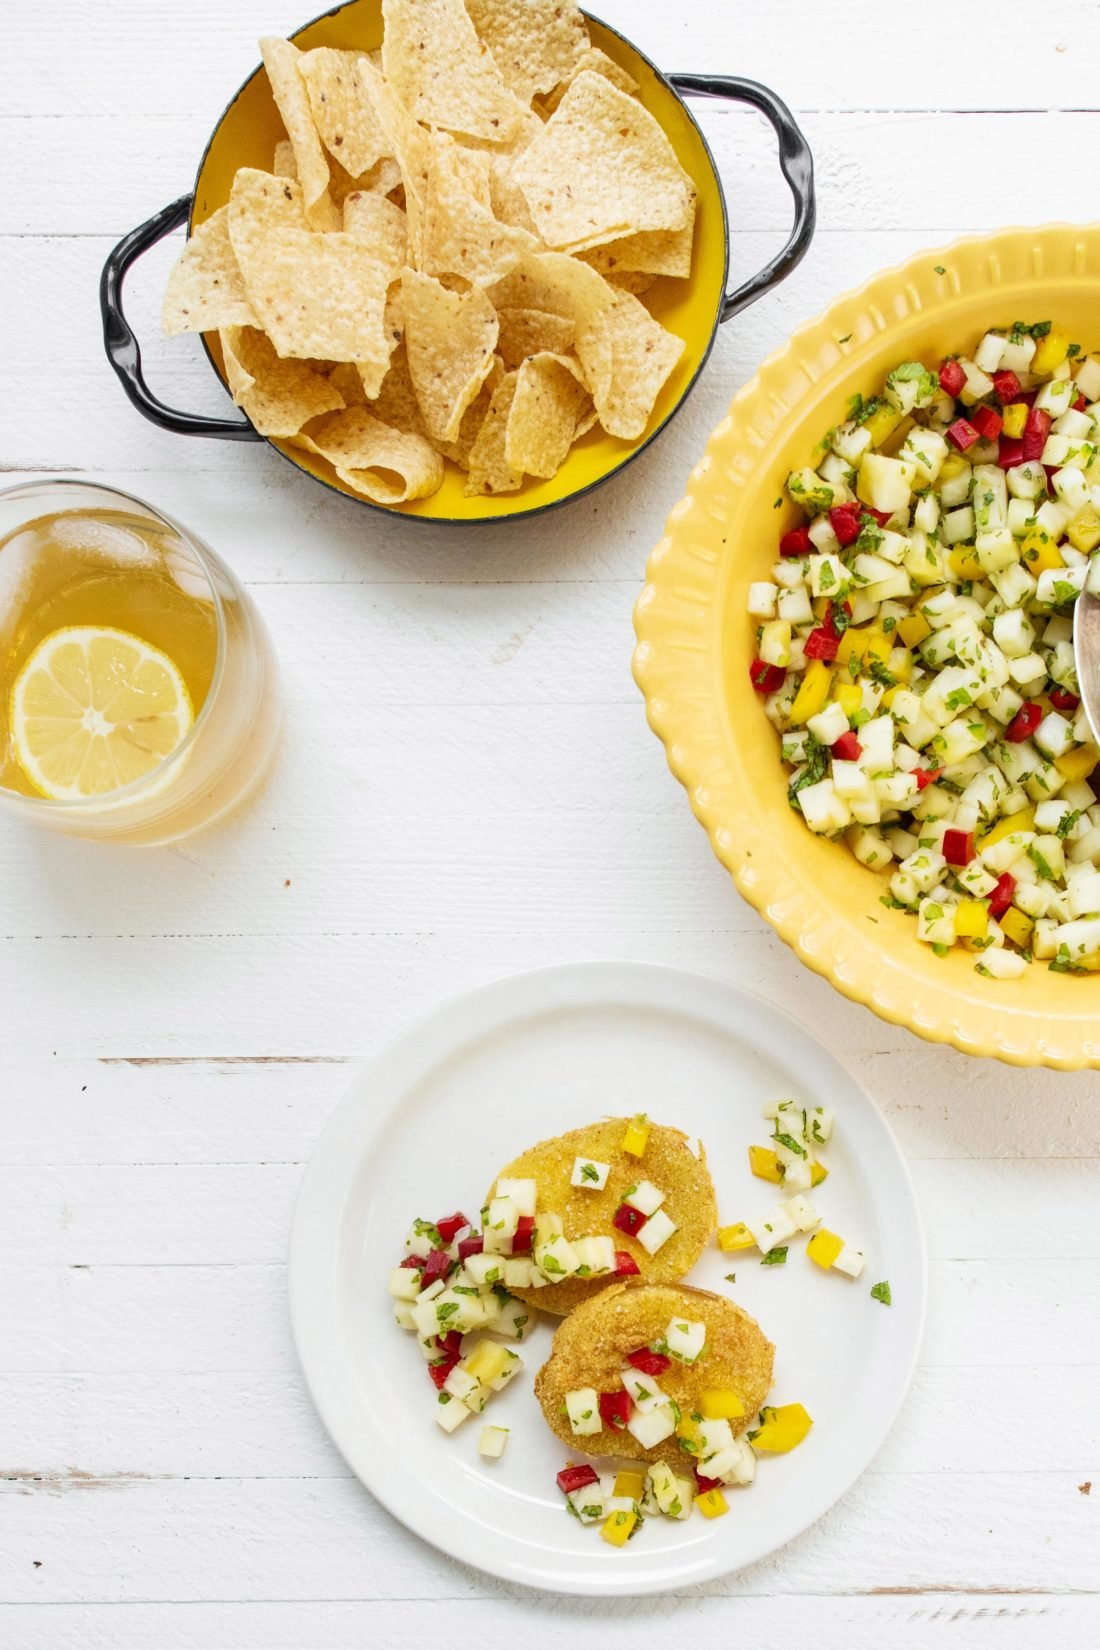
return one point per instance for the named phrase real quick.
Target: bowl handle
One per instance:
(120, 342)
(796, 162)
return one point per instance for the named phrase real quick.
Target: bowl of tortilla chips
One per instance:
(457, 259)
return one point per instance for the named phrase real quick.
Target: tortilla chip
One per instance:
(456, 234)
(534, 43)
(341, 107)
(381, 226)
(344, 378)
(643, 354)
(278, 396)
(319, 295)
(441, 72)
(548, 403)
(601, 168)
(281, 60)
(284, 164)
(507, 200)
(490, 471)
(396, 403)
(459, 450)
(566, 286)
(525, 332)
(206, 289)
(653, 252)
(385, 465)
(260, 204)
(594, 61)
(466, 168)
(450, 338)
(637, 284)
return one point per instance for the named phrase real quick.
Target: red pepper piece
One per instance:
(450, 1342)
(1080, 404)
(437, 1265)
(952, 377)
(615, 1408)
(822, 644)
(796, 543)
(962, 433)
(525, 1235)
(650, 1363)
(1001, 897)
(1010, 452)
(987, 421)
(628, 1219)
(847, 747)
(442, 1369)
(449, 1227)
(845, 522)
(626, 1266)
(576, 1478)
(926, 776)
(413, 1260)
(1061, 700)
(766, 678)
(1036, 431)
(958, 847)
(473, 1245)
(1007, 386)
(881, 516)
(706, 1484)
(1024, 723)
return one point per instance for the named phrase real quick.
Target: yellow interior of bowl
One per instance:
(696, 642)
(247, 135)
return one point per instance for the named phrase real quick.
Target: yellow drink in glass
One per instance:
(138, 688)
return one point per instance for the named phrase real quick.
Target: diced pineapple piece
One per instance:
(656, 1232)
(849, 1261)
(651, 1427)
(582, 1407)
(735, 1237)
(1077, 764)
(1084, 531)
(645, 1197)
(404, 1283)
(781, 1428)
(589, 1174)
(914, 629)
(636, 1138)
(1039, 553)
(824, 1247)
(488, 1362)
(712, 1504)
(450, 1413)
(492, 1441)
(618, 1529)
(673, 1494)
(522, 1193)
(685, 1339)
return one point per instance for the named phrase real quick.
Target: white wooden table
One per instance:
(468, 788)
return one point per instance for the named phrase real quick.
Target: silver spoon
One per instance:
(1086, 648)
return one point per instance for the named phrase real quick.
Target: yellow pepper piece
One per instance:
(1015, 417)
(618, 1528)
(877, 646)
(818, 1173)
(781, 1429)
(1077, 764)
(963, 562)
(1023, 821)
(720, 1404)
(812, 693)
(913, 629)
(687, 1430)
(764, 1164)
(1050, 352)
(971, 920)
(900, 664)
(1083, 531)
(734, 1237)
(1017, 927)
(1039, 552)
(882, 423)
(848, 696)
(850, 646)
(712, 1504)
(824, 1247)
(636, 1138)
(954, 465)
(631, 1484)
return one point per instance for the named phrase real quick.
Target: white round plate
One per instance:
(423, 1130)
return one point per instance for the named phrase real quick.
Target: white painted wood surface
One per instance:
(468, 788)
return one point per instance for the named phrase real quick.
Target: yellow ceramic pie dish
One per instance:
(695, 643)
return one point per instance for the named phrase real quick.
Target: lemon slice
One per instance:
(94, 709)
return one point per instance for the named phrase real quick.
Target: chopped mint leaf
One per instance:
(589, 1171)
(940, 270)
(790, 1143)
(1068, 823)
(775, 1257)
(881, 1292)
(731, 1277)
(846, 339)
